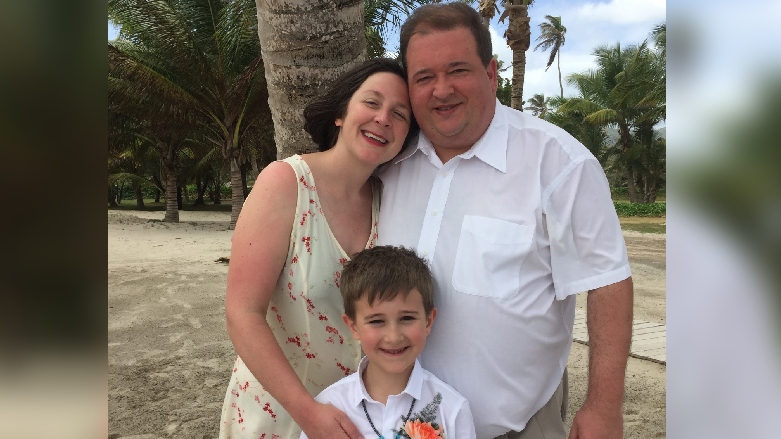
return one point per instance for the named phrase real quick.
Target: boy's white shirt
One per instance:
(346, 395)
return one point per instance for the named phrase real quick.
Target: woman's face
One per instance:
(377, 118)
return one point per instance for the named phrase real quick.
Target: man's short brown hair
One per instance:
(382, 273)
(444, 17)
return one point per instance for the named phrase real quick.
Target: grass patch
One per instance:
(638, 209)
(644, 225)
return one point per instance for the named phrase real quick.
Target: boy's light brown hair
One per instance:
(382, 273)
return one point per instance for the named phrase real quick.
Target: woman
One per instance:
(291, 241)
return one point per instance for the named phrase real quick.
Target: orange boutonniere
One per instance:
(423, 430)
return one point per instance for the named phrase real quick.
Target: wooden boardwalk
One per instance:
(649, 340)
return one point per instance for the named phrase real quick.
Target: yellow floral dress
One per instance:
(305, 315)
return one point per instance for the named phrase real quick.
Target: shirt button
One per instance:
(444, 174)
(425, 252)
(434, 213)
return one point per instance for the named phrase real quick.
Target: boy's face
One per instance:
(392, 333)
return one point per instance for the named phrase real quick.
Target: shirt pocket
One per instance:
(489, 256)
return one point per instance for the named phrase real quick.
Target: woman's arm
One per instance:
(258, 253)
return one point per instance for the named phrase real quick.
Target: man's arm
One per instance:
(609, 321)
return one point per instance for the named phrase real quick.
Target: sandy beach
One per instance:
(169, 353)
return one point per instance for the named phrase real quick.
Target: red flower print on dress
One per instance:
(295, 340)
(345, 369)
(303, 182)
(244, 388)
(333, 330)
(320, 316)
(267, 408)
(337, 275)
(279, 317)
(306, 240)
(343, 261)
(309, 305)
(295, 259)
(303, 218)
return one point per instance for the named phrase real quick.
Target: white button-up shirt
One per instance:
(346, 395)
(512, 228)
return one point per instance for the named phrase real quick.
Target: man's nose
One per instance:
(442, 89)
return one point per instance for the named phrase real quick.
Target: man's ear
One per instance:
(430, 320)
(493, 75)
(351, 324)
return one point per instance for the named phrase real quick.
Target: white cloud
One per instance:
(624, 11)
(502, 50)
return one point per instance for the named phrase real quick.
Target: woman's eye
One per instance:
(371, 103)
(401, 115)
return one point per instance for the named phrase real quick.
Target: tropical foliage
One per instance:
(539, 105)
(624, 92)
(552, 37)
(187, 72)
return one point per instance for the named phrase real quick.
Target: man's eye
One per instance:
(423, 79)
(457, 71)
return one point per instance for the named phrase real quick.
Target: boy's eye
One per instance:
(408, 318)
(375, 322)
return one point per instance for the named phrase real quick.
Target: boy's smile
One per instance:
(392, 333)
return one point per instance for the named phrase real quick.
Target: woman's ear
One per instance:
(351, 324)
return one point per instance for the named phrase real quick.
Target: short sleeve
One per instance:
(462, 425)
(586, 244)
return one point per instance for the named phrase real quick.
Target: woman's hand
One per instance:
(324, 421)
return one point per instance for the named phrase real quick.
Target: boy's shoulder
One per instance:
(439, 386)
(340, 389)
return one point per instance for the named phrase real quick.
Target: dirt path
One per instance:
(170, 356)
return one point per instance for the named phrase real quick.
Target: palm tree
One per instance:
(305, 44)
(518, 35)
(552, 36)
(615, 94)
(199, 60)
(603, 108)
(539, 105)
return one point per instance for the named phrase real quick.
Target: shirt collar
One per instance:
(491, 147)
(413, 389)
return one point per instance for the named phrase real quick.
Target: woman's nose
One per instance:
(383, 118)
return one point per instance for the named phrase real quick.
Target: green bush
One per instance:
(638, 209)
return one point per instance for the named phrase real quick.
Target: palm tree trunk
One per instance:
(171, 204)
(237, 190)
(558, 62)
(518, 36)
(306, 44)
(519, 72)
(139, 197)
(625, 138)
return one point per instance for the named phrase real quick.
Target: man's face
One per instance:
(452, 94)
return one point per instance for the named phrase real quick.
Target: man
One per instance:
(515, 218)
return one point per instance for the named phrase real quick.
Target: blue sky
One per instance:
(589, 24)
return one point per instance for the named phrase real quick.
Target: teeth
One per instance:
(377, 138)
(445, 108)
(394, 351)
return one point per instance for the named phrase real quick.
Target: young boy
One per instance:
(387, 293)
